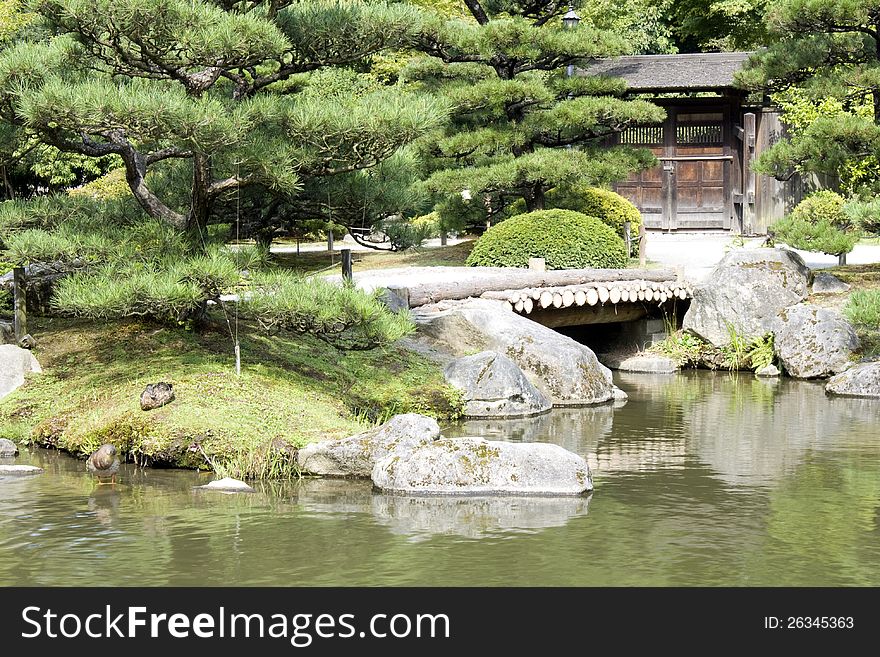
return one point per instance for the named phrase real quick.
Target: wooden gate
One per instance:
(691, 185)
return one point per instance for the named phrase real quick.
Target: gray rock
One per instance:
(768, 371)
(566, 371)
(475, 466)
(157, 395)
(825, 283)
(495, 387)
(20, 470)
(813, 342)
(640, 362)
(858, 381)
(228, 485)
(7, 333)
(745, 292)
(356, 455)
(619, 395)
(15, 363)
(27, 341)
(7, 448)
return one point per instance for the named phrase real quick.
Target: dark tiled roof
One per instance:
(691, 72)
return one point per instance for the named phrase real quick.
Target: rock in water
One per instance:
(15, 362)
(825, 283)
(157, 395)
(813, 342)
(641, 362)
(475, 466)
(745, 292)
(356, 455)
(859, 381)
(495, 387)
(566, 371)
(7, 449)
(20, 470)
(768, 371)
(228, 485)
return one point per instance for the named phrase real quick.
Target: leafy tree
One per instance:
(210, 89)
(521, 126)
(700, 25)
(827, 49)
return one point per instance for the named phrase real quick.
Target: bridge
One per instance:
(559, 298)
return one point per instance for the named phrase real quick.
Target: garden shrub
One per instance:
(565, 239)
(818, 223)
(609, 207)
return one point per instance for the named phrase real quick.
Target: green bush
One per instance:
(405, 234)
(863, 308)
(818, 223)
(565, 239)
(343, 316)
(610, 207)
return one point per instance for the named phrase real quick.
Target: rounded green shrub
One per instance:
(818, 223)
(610, 207)
(565, 239)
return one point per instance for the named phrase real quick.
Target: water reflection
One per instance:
(422, 517)
(701, 479)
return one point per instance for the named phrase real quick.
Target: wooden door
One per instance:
(700, 171)
(646, 189)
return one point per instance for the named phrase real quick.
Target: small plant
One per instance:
(863, 308)
(684, 348)
(734, 355)
(761, 353)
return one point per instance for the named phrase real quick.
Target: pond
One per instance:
(700, 479)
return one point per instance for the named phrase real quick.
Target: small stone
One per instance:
(228, 485)
(641, 362)
(7, 448)
(619, 395)
(825, 283)
(27, 342)
(20, 470)
(157, 395)
(768, 371)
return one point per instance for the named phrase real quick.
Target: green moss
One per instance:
(293, 390)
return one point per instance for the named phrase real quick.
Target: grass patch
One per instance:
(293, 390)
(863, 310)
(317, 261)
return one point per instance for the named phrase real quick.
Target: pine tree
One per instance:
(826, 50)
(521, 125)
(210, 88)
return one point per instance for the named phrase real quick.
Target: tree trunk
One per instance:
(477, 10)
(200, 200)
(534, 199)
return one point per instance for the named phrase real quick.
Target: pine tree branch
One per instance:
(477, 11)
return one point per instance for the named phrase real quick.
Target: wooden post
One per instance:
(643, 244)
(20, 303)
(627, 238)
(443, 238)
(330, 239)
(748, 177)
(346, 265)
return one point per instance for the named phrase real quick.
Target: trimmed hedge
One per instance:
(609, 207)
(565, 239)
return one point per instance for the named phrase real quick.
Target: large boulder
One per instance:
(495, 387)
(858, 381)
(565, 371)
(475, 466)
(813, 342)
(745, 292)
(15, 363)
(356, 455)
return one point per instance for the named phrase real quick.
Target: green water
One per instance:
(701, 479)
